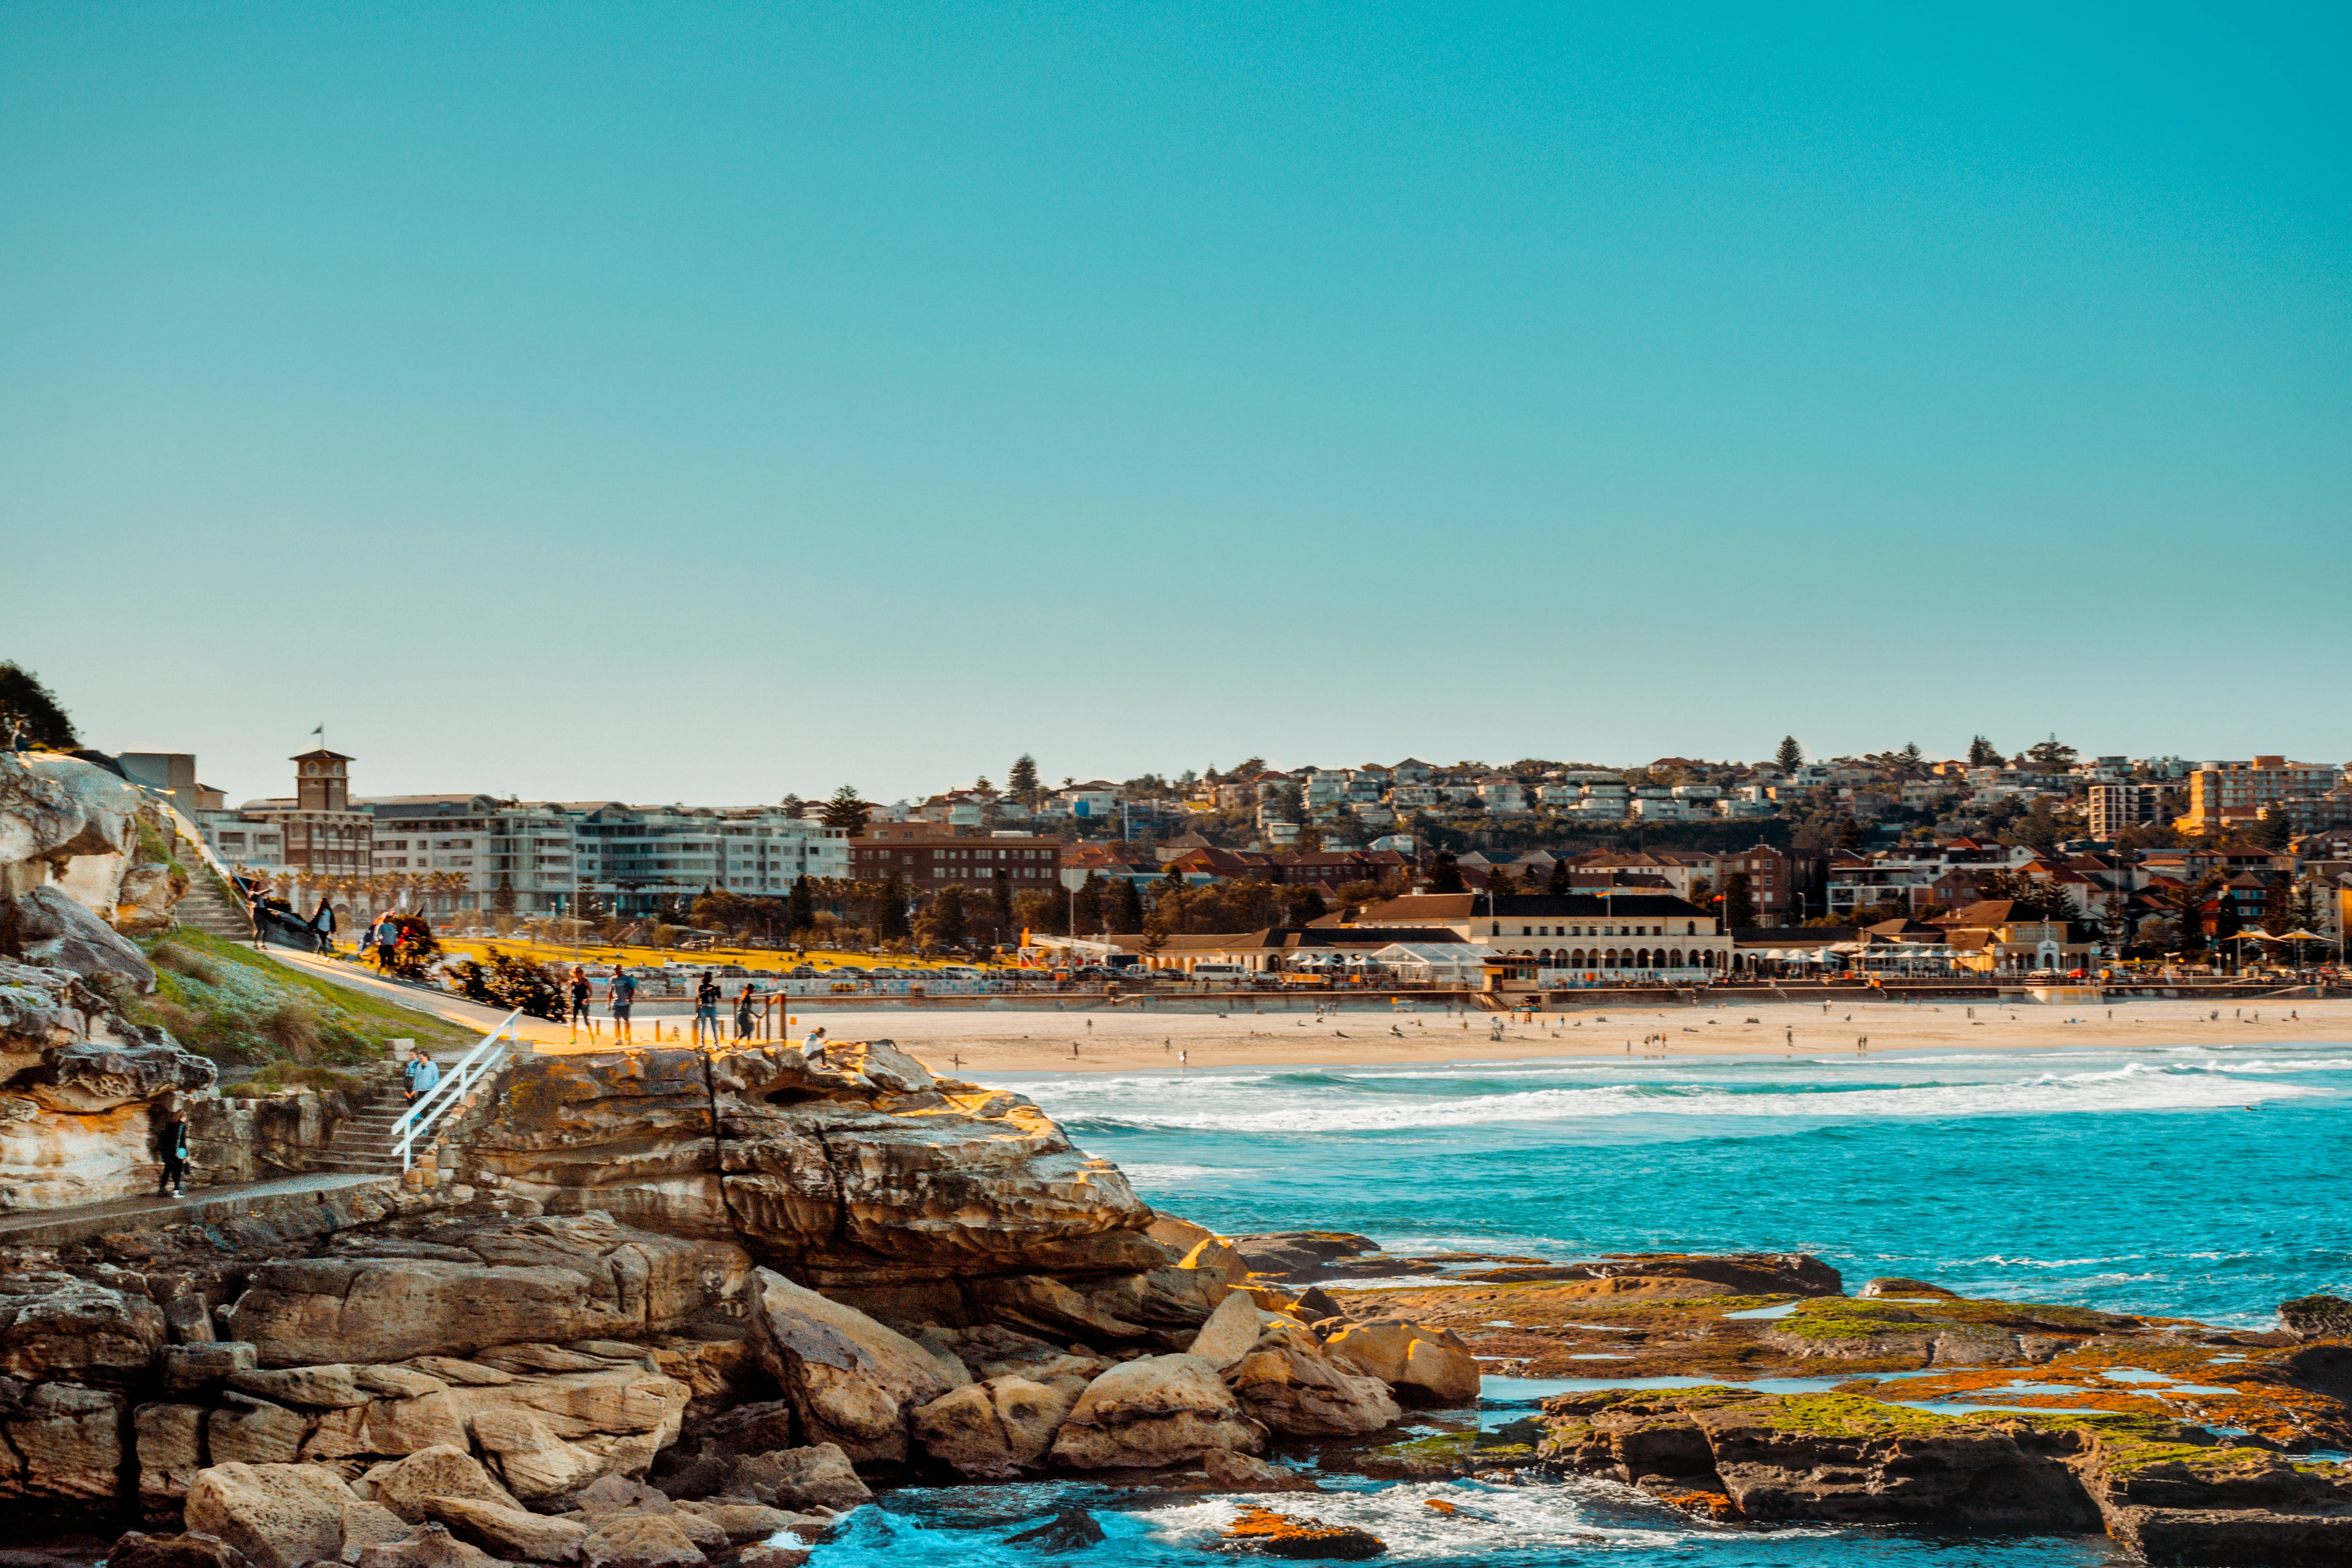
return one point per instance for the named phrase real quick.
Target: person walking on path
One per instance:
(622, 996)
(581, 992)
(706, 1009)
(419, 1073)
(176, 1150)
(323, 927)
(388, 937)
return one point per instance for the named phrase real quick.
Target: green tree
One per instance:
(1502, 881)
(2270, 832)
(1560, 882)
(890, 910)
(25, 702)
(1090, 906)
(1445, 873)
(1850, 834)
(942, 922)
(2049, 756)
(1791, 756)
(1739, 901)
(1981, 754)
(502, 897)
(1021, 782)
(2187, 901)
(800, 907)
(1125, 905)
(845, 811)
(1000, 908)
(1914, 758)
(1302, 905)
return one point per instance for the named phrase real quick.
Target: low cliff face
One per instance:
(866, 1173)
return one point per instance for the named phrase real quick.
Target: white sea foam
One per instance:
(1517, 1519)
(1340, 1105)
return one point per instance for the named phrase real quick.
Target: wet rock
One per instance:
(796, 1479)
(854, 1382)
(1299, 1255)
(137, 1549)
(994, 1428)
(1745, 1273)
(1262, 1532)
(1151, 1411)
(1072, 1529)
(1425, 1365)
(767, 1555)
(742, 1523)
(2317, 1317)
(1897, 1286)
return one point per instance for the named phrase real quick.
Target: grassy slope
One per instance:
(237, 1006)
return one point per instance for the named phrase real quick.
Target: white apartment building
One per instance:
(497, 847)
(629, 856)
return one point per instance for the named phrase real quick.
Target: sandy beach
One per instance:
(1105, 1040)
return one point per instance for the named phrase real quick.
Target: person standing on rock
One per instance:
(623, 997)
(812, 1048)
(706, 1009)
(176, 1150)
(581, 992)
(747, 1004)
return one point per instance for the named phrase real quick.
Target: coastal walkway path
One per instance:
(202, 1206)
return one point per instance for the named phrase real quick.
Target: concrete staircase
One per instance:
(362, 1142)
(207, 906)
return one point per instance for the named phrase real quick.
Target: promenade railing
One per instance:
(437, 1102)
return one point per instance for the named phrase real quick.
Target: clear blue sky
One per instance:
(687, 402)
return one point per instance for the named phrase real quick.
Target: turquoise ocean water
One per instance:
(2196, 1182)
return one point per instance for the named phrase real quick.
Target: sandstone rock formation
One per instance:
(868, 1171)
(1425, 1365)
(2317, 1317)
(1153, 1412)
(994, 1429)
(854, 1382)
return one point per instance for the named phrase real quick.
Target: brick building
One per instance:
(924, 857)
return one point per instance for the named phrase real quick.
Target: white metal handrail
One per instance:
(475, 1065)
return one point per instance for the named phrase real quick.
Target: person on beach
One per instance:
(622, 996)
(706, 1009)
(174, 1150)
(419, 1074)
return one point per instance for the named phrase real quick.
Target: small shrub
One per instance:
(509, 982)
(291, 1026)
(279, 1075)
(171, 955)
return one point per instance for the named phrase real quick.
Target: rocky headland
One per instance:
(670, 1307)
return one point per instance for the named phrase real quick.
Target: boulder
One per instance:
(1151, 1411)
(405, 1486)
(58, 809)
(57, 1326)
(1423, 1365)
(255, 1431)
(1245, 1473)
(798, 1479)
(428, 1546)
(536, 1465)
(1231, 1333)
(188, 1368)
(744, 1522)
(1072, 1529)
(853, 1382)
(284, 1516)
(573, 1277)
(511, 1534)
(47, 927)
(136, 1550)
(169, 1442)
(639, 1540)
(994, 1428)
(1216, 1258)
(1288, 1383)
(68, 1442)
(319, 1387)
(618, 1494)
(767, 1555)
(2317, 1317)
(1047, 1305)
(1304, 1255)
(1180, 1236)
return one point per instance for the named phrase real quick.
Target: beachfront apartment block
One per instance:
(2225, 795)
